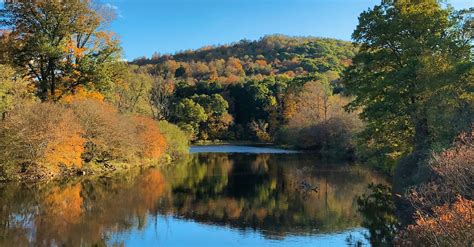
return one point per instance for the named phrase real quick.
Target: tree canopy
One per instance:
(415, 59)
(61, 45)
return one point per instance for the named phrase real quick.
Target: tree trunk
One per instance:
(422, 134)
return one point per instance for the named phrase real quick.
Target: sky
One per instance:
(169, 26)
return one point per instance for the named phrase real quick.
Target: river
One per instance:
(218, 196)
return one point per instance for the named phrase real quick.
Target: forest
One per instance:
(399, 98)
(278, 89)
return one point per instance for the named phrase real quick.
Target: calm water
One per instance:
(218, 196)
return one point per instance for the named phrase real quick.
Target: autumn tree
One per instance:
(12, 90)
(60, 44)
(313, 104)
(160, 97)
(132, 90)
(412, 55)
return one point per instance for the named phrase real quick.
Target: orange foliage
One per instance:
(152, 143)
(232, 79)
(234, 66)
(71, 47)
(447, 226)
(290, 74)
(233, 208)
(290, 107)
(261, 213)
(68, 145)
(109, 135)
(261, 63)
(42, 135)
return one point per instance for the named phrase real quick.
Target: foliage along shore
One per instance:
(60, 81)
(44, 141)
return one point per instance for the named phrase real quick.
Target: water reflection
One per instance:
(261, 192)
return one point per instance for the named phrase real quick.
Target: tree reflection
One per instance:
(259, 192)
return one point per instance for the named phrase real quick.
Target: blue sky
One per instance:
(167, 26)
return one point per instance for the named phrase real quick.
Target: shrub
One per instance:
(40, 137)
(151, 143)
(452, 174)
(448, 225)
(110, 136)
(331, 138)
(177, 140)
(444, 204)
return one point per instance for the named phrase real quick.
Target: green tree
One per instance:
(60, 44)
(190, 115)
(214, 105)
(219, 120)
(411, 54)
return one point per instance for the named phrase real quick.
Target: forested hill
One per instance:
(249, 90)
(270, 55)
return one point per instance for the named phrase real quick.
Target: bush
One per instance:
(177, 140)
(110, 136)
(444, 204)
(40, 138)
(331, 138)
(448, 225)
(151, 143)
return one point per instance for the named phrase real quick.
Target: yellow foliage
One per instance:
(82, 94)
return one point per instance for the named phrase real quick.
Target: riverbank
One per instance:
(91, 170)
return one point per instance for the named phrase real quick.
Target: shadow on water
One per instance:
(275, 196)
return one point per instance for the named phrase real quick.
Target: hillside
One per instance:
(249, 90)
(270, 55)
